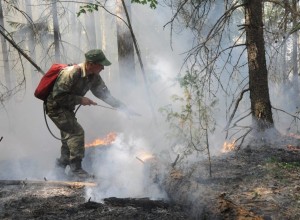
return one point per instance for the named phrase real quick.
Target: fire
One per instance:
(297, 136)
(110, 137)
(228, 146)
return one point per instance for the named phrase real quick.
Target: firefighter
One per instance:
(69, 90)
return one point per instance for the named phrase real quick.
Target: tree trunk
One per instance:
(30, 43)
(56, 31)
(90, 28)
(103, 42)
(258, 74)
(284, 50)
(294, 55)
(5, 53)
(125, 48)
(75, 31)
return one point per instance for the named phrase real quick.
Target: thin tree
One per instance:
(30, 40)
(5, 54)
(125, 47)
(295, 36)
(90, 28)
(56, 32)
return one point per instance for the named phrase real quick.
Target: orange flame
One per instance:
(297, 136)
(228, 146)
(110, 137)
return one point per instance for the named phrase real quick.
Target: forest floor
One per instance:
(252, 183)
(61, 201)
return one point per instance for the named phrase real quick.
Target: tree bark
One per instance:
(75, 32)
(90, 27)
(30, 43)
(125, 48)
(295, 54)
(5, 52)
(258, 74)
(56, 31)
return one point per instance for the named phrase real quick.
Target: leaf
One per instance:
(153, 3)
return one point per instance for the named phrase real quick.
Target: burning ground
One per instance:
(256, 182)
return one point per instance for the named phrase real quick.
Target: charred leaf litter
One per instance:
(49, 201)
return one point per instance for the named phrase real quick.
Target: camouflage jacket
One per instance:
(72, 84)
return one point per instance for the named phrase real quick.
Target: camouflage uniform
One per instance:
(71, 85)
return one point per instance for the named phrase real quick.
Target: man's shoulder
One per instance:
(72, 70)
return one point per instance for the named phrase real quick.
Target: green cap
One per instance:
(97, 56)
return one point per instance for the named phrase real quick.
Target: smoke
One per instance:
(27, 147)
(29, 151)
(120, 172)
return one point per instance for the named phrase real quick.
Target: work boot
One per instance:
(76, 171)
(60, 168)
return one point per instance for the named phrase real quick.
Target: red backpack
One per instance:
(47, 82)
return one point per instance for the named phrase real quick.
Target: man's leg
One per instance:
(72, 140)
(76, 147)
(64, 160)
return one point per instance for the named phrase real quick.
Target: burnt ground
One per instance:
(252, 183)
(38, 200)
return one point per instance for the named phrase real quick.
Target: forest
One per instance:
(215, 85)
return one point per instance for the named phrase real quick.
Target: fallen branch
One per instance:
(71, 184)
(231, 210)
(145, 203)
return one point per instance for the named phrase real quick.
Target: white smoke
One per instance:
(120, 173)
(28, 151)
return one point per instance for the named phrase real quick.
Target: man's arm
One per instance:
(101, 91)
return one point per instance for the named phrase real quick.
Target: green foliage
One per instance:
(87, 8)
(295, 29)
(91, 7)
(289, 165)
(281, 170)
(153, 3)
(284, 165)
(193, 121)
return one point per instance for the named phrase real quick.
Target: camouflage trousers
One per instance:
(72, 134)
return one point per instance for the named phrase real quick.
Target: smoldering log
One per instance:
(179, 187)
(145, 203)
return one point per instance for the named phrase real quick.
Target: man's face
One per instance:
(94, 68)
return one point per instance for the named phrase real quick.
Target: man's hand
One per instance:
(87, 101)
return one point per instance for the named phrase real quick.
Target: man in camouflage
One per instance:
(69, 89)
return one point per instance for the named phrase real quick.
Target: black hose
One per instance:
(49, 127)
(74, 113)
